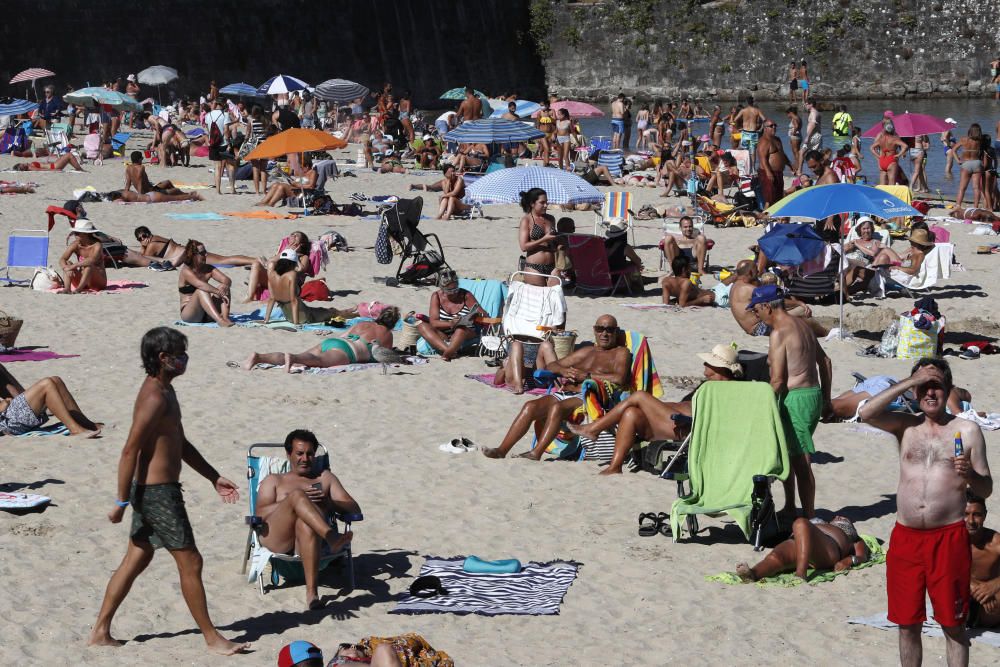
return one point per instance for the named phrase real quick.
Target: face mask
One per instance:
(177, 364)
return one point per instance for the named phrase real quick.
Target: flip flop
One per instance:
(663, 524)
(651, 526)
(453, 447)
(469, 445)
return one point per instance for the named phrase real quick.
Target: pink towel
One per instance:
(31, 354)
(113, 286)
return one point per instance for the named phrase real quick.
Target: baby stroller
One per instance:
(425, 260)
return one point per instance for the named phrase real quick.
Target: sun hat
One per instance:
(863, 219)
(298, 651)
(83, 226)
(428, 137)
(289, 253)
(765, 294)
(722, 356)
(921, 237)
(616, 228)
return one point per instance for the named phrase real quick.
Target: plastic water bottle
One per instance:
(959, 449)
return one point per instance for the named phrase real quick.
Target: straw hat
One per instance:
(722, 356)
(83, 226)
(617, 227)
(921, 237)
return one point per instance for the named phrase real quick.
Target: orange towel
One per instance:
(261, 215)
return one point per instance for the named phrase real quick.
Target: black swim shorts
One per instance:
(159, 517)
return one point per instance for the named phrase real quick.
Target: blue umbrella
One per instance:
(339, 91)
(240, 89)
(791, 244)
(524, 108)
(506, 185)
(493, 130)
(281, 84)
(822, 201)
(13, 107)
(94, 95)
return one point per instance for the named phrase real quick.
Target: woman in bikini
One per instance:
(860, 253)
(545, 123)
(87, 273)
(794, 134)
(537, 236)
(257, 282)
(969, 155)
(471, 155)
(918, 155)
(452, 193)
(284, 285)
(641, 123)
(154, 197)
(563, 127)
(202, 302)
(354, 347)
(58, 165)
(450, 325)
(716, 125)
(279, 192)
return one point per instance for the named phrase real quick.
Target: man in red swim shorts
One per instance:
(929, 553)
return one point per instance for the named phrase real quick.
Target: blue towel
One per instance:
(195, 216)
(490, 294)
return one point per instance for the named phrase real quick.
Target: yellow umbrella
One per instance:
(295, 140)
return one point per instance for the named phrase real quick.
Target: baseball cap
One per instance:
(298, 651)
(289, 253)
(765, 294)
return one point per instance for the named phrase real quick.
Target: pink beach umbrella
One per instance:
(575, 109)
(32, 74)
(912, 125)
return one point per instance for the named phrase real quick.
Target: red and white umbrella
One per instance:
(32, 74)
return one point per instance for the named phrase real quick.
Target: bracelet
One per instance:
(121, 503)
(854, 561)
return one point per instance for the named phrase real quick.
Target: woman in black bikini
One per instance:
(453, 309)
(537, 236)
(200, 300)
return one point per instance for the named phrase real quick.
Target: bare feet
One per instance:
(492, 452)
(314, 602)
(103, 638)
(586, 430)
(611, 471)
(226, 323)
(288, 362)
(337, 542)
(534, 454)
(744, 572)
(88, 434)
(250, 362)
(223, 646)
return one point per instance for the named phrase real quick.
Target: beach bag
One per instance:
(383, 251)
(916, 343)
(10, 326)
(13, 139)
(45, 280)
(890, 341)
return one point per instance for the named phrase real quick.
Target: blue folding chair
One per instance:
(289, 566)
(26, 249)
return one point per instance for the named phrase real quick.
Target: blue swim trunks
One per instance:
(618, 125)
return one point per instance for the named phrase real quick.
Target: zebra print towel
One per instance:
(537, 590)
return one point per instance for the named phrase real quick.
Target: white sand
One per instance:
(636, 600)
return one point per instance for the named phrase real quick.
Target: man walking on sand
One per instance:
(940, 456)
(800, 376)
(148, 474)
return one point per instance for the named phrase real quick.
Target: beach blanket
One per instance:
(332, 370)
(195, 216)
(22, 501)
(487, 379)
(653, 306)
(54, 429)
(537, 590)
(30, 354)
(193, 186)
(930, 628)
(113, 286)
(261, 215)
(813, 577)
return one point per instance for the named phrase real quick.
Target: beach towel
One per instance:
(113, 286)
(930, 628)
(332, 370)
(537, 590)
(193, 186)
(194, 216)
(54, 429)
(653, 306)
(30, 354)
(488, 380)
(644, 375)
(261, 215)
(813, 577)
(22, 501)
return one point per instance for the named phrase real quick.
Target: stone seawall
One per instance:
(724, 49)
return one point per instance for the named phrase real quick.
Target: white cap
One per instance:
(289, 253)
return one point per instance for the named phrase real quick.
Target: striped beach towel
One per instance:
(537, 590)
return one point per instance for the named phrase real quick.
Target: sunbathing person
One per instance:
(904, 270)
(607, 360)
(471, 156)
(200, 300)
(973, 213)
(294, 506)
(861, 252)
(642, 417)
(58, 165)
(513, 369)
(847, 404)
(452, 193)
(152, 197)
(297, 241)
(283, 285)
(450, 327)
(745, 280)
(984, 607)
(824, 546)
(170, 254)
(691, 242)
(679, 286)
(135, 177)
(27, 410)
(87, 273)
(429, 153)
(278, 193)
(353, 347)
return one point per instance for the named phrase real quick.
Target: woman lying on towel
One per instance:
(57, 165)
(27, 411)
(130, 197)
(825, 546)
(200, 300)
(353, 347)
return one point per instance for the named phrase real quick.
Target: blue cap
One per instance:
(765, 294)
(298, 651)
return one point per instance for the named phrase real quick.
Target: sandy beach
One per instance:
(636, 600)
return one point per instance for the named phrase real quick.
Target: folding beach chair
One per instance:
(287, 566)
(737, 443)
(613, 160)
(617, 206)
(26, 249)
(528, 311)
(402, 219)
(936, 265)
(118, 142)
(590, 262)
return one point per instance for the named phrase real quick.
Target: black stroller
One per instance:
(424, 260)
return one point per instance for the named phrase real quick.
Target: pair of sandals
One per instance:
(459, 446)
(651, 524)
(165, 265)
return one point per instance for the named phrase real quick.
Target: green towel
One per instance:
(813, 577)
(737, 434)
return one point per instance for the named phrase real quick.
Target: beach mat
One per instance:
(260, 215)
(113, 286)
(195, 216)
(537, 590)
(30, 354)
(930, 627)
(333, 370)
(813, 577)
(653, 306)
(487, 379)
(54, 429)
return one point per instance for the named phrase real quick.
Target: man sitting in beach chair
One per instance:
(825, 546)
(293, 507)
(691, 242)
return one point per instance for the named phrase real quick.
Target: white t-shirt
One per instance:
(446, 116)
(220, 118)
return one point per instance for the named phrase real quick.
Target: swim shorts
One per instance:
(159, 517)
(761, 329)
(618, 125)
(749, 139)
(814, 142)
(19, 418)
(800, 410)
(937, 561)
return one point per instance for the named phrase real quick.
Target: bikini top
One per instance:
(562, 125)
(537, 231)
(544, 120)
(187, 289)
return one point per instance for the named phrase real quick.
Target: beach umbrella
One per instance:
(14, 107)
(32, 74)
(339, 91)
(505, 186)
(791, 244)
(912, 125)
(524, 108)
(240, 90)
(493, 130)
(157, 75)
(295, 140)
(576, 109)
(281, 84)
(95, 95)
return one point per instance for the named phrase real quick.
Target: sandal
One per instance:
(649, 524)
(663, 523)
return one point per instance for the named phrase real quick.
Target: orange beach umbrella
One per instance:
(295, 140)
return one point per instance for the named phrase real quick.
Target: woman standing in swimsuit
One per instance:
(200, 300)
(450, 325)
(354, 347)
(794, 134)
(918, 155)
(641, 123)
(968, 153)
(537, 236)
(563, 126)
(716, 125)
(405, 109)
(545, 123)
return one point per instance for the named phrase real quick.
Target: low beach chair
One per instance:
(936, 265)
(529, 311)
(736, 436)
(617, 206)
(26, 249)
(590, 262)
(287, 566)
(613, 160)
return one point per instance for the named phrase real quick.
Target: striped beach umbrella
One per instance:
(13, 107)
(506, 185)
(493, 130)
(524, 108)
(240, 90)
(339, 91)
(281, 84)
(32, 74)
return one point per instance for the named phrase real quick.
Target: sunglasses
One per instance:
(602, 329)
(203, 252)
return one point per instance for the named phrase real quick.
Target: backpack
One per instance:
(425, 265)
(13, 139)
(214, 135)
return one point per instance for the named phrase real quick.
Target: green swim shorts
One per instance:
(159, 517)
(800, 411)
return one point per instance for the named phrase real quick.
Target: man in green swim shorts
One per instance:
(800, 376)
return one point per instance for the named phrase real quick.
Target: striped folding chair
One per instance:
(617, 206)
